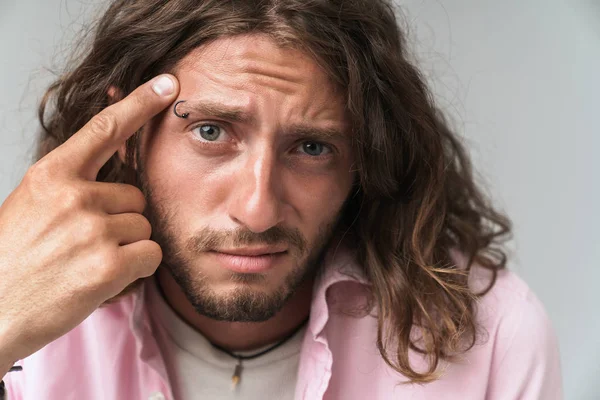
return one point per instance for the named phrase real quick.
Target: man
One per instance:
(258, 199)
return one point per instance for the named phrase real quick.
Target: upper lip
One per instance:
(253, 251)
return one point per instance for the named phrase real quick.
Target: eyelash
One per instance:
(204, 142)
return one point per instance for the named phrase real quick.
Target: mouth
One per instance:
(254, 251)
(250, 260)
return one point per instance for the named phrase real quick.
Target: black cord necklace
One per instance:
(237, 372)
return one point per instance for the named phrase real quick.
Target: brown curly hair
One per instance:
(415, 199)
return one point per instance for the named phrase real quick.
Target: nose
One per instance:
(256, 198)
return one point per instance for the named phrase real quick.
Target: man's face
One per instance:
(244, 194)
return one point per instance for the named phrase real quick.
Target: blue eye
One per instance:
(208, 132)
(314, 149)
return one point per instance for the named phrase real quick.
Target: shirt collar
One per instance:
(339, 265)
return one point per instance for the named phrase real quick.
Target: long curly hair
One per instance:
(415, 199)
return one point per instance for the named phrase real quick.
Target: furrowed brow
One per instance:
(317, 133)
(239, 115)
(217, 110)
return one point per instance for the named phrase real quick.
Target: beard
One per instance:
(248, 303)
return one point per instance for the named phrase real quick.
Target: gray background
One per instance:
(519, 78)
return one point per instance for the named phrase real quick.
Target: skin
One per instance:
(257, 175)
(69, 243)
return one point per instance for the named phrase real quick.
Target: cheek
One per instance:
(317, 199)
(192, 186)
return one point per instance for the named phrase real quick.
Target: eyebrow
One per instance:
(218, 110)
(316, 133)
(239, 115)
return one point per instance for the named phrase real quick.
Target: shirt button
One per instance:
(156, 396)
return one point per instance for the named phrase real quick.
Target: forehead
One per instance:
(255, 53)
(246, 66)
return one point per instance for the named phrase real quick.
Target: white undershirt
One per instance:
(199, 371)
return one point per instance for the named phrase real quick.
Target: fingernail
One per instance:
(163, 86)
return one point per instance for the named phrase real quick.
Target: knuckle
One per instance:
(72, 198)
(136, 198)
(102, 269)
(145, 227)
(139, 198)
(38, 173)
(104, 124)
(91, 229)
(140, 100)
(152, 258)
(108, 267)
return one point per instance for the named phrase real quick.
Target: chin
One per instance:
(222, 294)
(239, 297)
(241, 303)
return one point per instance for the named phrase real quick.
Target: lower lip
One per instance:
(249, 264)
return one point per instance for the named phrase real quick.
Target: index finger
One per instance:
(93, 145)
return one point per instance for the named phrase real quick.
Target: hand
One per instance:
(69, 243)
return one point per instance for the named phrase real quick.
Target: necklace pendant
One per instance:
(237, 375)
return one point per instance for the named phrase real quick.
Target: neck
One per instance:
(239, 336)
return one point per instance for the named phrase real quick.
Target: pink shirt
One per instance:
(113, 354)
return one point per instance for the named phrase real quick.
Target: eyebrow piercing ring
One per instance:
(184, 115)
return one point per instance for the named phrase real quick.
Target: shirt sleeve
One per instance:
(527, 365)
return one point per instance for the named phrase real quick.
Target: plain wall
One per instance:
(520, 80)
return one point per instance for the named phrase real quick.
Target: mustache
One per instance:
(210, 239)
